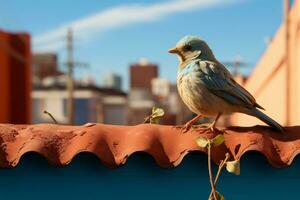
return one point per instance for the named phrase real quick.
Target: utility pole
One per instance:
(70, 82)
(286, 22)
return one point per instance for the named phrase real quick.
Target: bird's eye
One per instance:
(187, 47)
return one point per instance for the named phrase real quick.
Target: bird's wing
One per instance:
(221, 83)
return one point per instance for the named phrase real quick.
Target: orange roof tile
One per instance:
(113, 144)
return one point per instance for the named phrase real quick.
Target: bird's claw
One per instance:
(183, 129)
(207, 127)
(211, 128)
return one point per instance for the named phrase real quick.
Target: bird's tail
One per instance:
(263, 117)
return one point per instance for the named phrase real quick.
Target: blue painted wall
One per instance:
(140, 178)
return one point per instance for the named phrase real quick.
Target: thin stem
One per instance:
(51, 116)
(222, 164)
(210, 171)
(146, 120)
(220, 169)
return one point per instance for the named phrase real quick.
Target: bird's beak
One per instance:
(173, 50)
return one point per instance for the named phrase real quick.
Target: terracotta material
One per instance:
(113, 144)
(15, 77)
(269, 81)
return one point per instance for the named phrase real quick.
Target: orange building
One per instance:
(275, 81)
(15, 78)
(141, 74)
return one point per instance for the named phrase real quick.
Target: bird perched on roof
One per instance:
(207, 87)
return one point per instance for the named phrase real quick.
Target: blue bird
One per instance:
(207, 87)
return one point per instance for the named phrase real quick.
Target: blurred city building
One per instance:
(167, 97)
(160, 87)
(275, 80)
(161, 90)
(87, 80)
(91, 104)
(44, 65)
(112, 80)
(148, 90)
(140, 99)
(15, 77)
(141, 75)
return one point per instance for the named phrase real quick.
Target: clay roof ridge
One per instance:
(59, 144)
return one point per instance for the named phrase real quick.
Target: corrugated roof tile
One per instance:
(114, 144)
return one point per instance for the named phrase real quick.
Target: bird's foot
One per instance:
(186, 127)
(206, 127)
(211, 127)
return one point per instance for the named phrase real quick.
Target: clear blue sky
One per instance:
(236, 28)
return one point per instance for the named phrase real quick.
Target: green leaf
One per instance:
(233, 167)
(156, 115)
(219, 196)
(157, 112)
(202, 142)
(218, 140)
